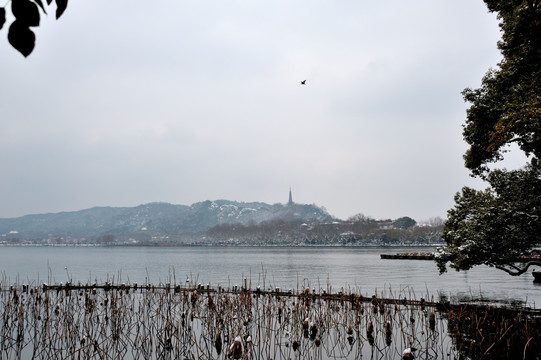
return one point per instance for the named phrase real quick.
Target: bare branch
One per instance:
(518, 270)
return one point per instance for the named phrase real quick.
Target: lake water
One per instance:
(352, 269)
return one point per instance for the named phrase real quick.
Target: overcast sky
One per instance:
(129, 102)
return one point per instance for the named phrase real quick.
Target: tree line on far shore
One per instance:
(362, 231)
(356, 231)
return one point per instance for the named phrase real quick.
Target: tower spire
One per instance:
(290, 202)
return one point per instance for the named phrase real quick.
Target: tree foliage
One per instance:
(502, 223)
(26, 15)
(404, 223)
(507, 107)
(496, 226)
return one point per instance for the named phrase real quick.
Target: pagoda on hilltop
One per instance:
(290, 202)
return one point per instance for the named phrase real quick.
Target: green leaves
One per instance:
(495, 226)
(506, 108)
(27, 15)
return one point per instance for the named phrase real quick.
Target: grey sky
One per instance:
(127, 102)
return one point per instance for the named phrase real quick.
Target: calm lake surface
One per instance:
(352, 269)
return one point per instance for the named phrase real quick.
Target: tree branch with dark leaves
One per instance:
(26, 15)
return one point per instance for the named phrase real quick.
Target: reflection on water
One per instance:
(355, 269)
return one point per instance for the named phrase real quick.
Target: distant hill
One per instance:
(155, 219)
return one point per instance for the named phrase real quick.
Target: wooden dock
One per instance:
(417, 255)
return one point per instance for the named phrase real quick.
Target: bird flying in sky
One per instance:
(303, 82)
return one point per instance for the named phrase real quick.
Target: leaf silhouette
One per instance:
(21, 37)
(2, 17)
(26, 12)
(41, 5)
(61, 5)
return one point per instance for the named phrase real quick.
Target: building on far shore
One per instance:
(290, 202)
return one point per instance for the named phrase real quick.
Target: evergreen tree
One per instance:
(503, 222)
